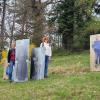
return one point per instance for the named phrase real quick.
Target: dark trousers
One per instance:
(46, 65)
(97, 61)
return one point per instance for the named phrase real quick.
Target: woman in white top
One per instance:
(48, 53)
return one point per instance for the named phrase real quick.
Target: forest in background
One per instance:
(73, 20)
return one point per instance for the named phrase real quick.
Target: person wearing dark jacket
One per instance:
(11, 60)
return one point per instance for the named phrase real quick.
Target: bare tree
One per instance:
(2, 23)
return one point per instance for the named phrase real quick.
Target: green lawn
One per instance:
(69, 79)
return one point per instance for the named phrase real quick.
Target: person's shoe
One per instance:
(10, 81)
(45, 76)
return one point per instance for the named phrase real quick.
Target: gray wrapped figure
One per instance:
(20, 71)
(37, 64)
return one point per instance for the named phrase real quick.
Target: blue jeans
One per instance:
(46, 66)
(97, 58)
(11, 69)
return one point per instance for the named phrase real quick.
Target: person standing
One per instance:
(48, 53)
(4, 63)
(96, 47)
(11, 59)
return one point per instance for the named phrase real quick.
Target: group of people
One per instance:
(10, 63)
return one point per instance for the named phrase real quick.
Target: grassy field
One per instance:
(69, 79)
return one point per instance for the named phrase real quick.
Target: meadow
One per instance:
(69, 79)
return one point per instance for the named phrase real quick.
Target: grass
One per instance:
(69, 79)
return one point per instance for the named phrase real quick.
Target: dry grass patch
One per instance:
(70, 70)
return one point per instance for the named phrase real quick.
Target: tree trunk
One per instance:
(38, 11)
(68, 40)
(2, 23)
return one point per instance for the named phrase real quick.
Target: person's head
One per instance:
(13, 44)
(45, 39)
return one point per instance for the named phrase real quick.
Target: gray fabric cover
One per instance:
(37, 63)
(20, 71)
